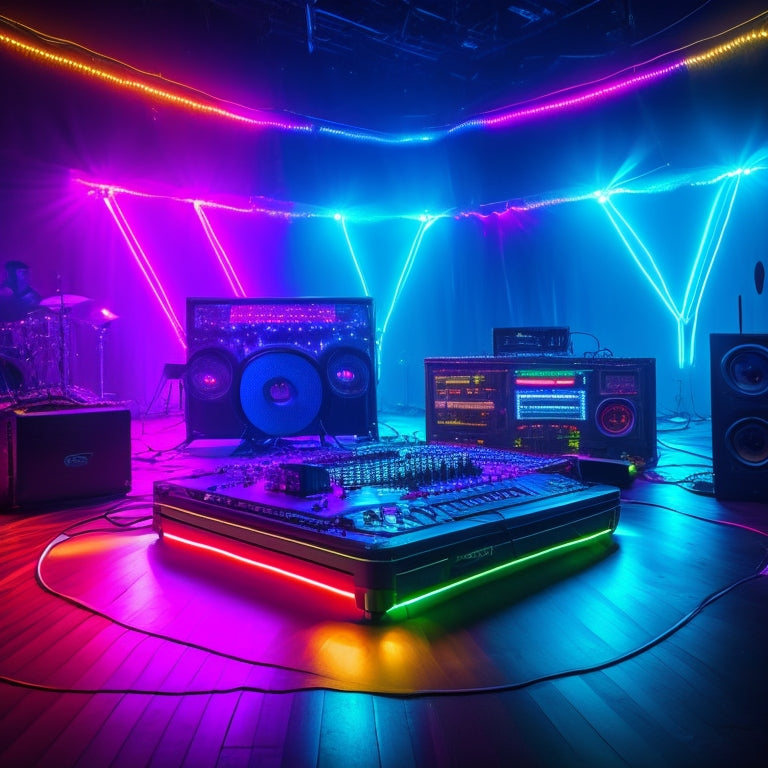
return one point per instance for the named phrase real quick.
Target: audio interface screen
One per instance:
(550, 395)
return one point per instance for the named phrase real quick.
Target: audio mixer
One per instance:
(387, 524)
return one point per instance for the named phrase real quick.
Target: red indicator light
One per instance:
(546, 382)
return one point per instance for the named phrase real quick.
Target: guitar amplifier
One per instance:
(63, 456)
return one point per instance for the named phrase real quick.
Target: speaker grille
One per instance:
(260, 368)
(348, 373)
(281, 393)
(209, 375)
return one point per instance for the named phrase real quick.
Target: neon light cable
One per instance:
(343, 221)
(500, 568)
(175, 94)
(145, 266)
(686, 316)
(221, 255)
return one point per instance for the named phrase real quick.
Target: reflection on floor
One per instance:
(118, 650)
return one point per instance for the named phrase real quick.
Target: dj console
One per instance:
(387, 524)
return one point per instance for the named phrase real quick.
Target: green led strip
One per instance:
(499, 568)
(538, 373)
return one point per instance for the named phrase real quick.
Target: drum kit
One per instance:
(36, 350)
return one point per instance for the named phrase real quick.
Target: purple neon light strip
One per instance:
(145, 266)
(514, 116)
(226, 264)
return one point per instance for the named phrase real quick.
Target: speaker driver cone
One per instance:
(281, 392)
(745, 369)
(747, 441)
(348, 373)
(209, 374)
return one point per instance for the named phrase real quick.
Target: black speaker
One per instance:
(598, 407)
(64, 456)
(739, 372)
(264, 368)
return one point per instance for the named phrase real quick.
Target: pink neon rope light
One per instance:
(145, 266)
(226, 264)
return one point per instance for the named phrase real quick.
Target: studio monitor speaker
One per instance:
(739, 373)
(264, 368)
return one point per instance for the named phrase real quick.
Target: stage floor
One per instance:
(115, 650)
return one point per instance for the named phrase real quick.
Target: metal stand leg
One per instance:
(171, 372)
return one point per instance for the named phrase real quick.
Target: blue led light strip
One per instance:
(426, 223)
(352, 253)
(72, 57)
(686, 316)
(703, 266)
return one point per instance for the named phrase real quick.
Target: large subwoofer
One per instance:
(739, 373)
(263, 368)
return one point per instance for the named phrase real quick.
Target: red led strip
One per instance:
(264, 566)
(546, 382)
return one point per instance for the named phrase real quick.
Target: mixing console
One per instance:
(395, 520)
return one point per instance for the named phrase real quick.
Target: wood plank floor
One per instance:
(653, 652)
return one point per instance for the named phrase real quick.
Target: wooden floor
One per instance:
(654, 652)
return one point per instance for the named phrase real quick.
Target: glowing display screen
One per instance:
(551, 404)
(543, 394)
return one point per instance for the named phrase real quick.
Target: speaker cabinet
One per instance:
(64, 456)
(598, 407)
(739, 371)
(264, 368)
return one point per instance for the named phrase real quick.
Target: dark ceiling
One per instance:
(367, 61)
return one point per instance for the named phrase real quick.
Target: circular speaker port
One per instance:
(348, 373)
(615, 417)
(209, 374)
(745, 369)
(747, 441)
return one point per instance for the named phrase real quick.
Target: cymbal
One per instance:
(98, 317)
(65, 300)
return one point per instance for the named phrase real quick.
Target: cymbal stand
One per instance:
(102, 330)
(64, 350)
